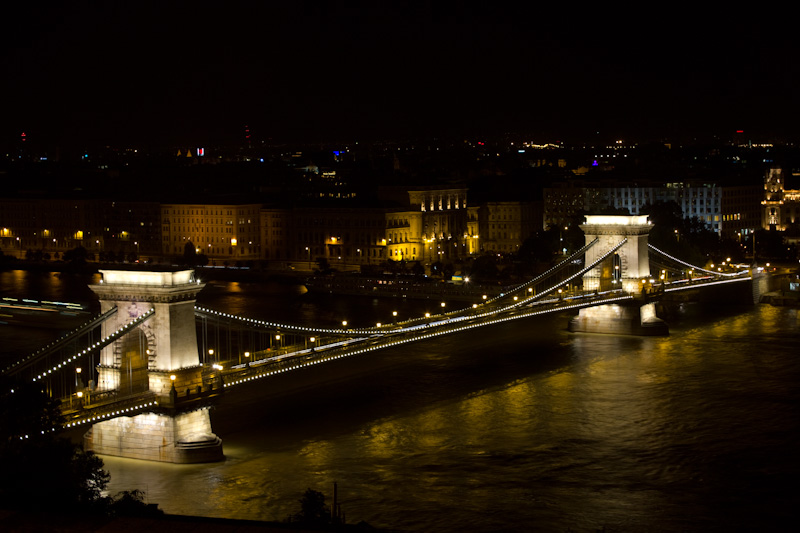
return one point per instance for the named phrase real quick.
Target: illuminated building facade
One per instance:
(54, 225)
(219, 231)
(506, 225)
(741, 213)
(566, 200)
(444, 223)
(703, 201)
(274, 234)
(780, 206)
(404, 235)
(338, 235)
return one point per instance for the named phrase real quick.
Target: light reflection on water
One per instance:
(520, 426)
(631, 433)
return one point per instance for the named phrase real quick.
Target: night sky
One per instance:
(195, 73)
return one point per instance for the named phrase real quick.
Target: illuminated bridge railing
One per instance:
(99, 345)
(89, 414)
(580, 273)
(568, 261)
(265, 324)
(694, 267)
(50, 349)
(242, 374)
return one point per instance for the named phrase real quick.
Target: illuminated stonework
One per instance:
(167, 341)
(781, 206)
(616, 319)
(150, 359)
(630, 264)
(184, 438)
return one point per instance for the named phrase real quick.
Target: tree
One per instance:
(131, 503)
(313, 510)
(484, 269)
(48, 471)
(76, 257)
(189, 254)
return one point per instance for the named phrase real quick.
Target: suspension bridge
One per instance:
(159, 362)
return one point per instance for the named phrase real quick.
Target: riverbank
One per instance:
(18, 521)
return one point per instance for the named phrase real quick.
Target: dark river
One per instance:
(520, 426)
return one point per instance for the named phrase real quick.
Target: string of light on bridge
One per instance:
(99, 344)
(665, 254)
(287, 327)
(547, 272)
(443, 331)
(58, 340)
(117, 412)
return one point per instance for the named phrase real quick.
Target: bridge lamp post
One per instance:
(560, 294)
(79, 394)
(210, 353)
(394, 317)
(344, 323)
(312, 340)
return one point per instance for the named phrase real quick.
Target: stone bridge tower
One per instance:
(157, 358)
(625, 269)
(630, 264)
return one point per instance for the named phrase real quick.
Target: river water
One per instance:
(519, 426)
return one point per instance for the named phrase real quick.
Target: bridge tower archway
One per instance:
(630, 264)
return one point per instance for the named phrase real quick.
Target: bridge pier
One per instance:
(182, 438)
(617, 319)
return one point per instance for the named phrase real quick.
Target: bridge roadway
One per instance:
(229, 374)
